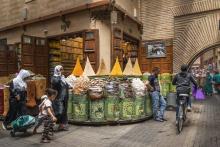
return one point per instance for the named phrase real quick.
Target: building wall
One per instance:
(129, 6)
(193, 34)
(12, 10)
(157, 17)
(104, 41)
(79, 21)
(208, 55)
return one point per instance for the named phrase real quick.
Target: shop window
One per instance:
(40, 42)
(89, 35)
(27, 40)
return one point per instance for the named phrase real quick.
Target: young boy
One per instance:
(46, 115)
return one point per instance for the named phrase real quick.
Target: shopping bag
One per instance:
(200, 94)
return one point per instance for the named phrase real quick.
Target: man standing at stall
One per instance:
(158, 101)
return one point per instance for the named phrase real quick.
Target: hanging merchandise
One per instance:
(88, 70)
(40, 83)
(128, 68)
(136, 69)
(165, 82)
(77, 71)
(102, 71)
(31, 93)
(145, 76)
(116, 71)
(138, 87)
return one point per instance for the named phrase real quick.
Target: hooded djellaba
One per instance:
(18, 96)
(60, 104)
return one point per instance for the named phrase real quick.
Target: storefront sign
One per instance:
(155, 49)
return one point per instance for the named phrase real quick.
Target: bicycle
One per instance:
(182, 111)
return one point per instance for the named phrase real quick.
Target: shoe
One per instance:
(44, 140)
(63, 128)
(164, 119)
(158, 119)
(176, 122)
(35, 131)
(4, 126)
(189, 109)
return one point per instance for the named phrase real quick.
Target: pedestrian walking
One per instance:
(208, 84)
(17, 99)
(59, 84)
(158, 101)
(46, 115)
(216, 80)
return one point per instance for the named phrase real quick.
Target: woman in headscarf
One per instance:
(59, 83)
(208, 84)
(18, 95)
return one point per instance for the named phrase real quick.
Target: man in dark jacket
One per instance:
(183, 82)
(158, 101)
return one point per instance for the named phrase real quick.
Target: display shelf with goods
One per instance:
(108, 99)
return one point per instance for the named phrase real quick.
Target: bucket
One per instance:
(126, 108)
(97, 110)
(70, 105)
(148, 106)
(80, 107)
(112, 108)
(139, 107)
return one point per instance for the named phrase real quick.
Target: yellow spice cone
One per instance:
(136, 69)
(116, 71)
(102, 71)
(88, 70)
(128, 68)
(77, 71)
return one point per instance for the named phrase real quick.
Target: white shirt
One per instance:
(43, 107)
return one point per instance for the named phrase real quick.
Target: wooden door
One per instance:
(3, 60)
(27, 53)
(12, 59)
(34, 55)
(41, 56)
(91, 47)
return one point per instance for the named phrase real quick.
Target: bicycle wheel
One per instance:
(180, 119)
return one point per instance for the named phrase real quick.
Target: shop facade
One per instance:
(82, 32)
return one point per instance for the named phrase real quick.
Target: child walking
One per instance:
(46, 115)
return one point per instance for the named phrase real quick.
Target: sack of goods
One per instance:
(112, 88)
(95, 92)
(126, 90)
(71, 80)
(138, 87)
(81, 85)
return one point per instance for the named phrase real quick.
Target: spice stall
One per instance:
(108, 97)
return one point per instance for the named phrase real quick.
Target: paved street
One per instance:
(201, 130)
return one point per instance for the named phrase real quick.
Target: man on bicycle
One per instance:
(183, 82)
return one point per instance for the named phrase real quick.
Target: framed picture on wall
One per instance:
(155, 49)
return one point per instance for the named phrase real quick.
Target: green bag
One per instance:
(139, 108)
(126, 109)
(97, 112)
(112, 110)
(80, 107)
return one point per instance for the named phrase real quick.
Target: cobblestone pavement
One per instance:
(202, 129)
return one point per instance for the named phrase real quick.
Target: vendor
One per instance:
(158, 101)
(60, 104)
(17, 99)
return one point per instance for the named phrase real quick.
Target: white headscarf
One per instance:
(57, 73)
(19, 82)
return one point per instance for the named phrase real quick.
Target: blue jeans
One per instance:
(189, 103)
(159, 105)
